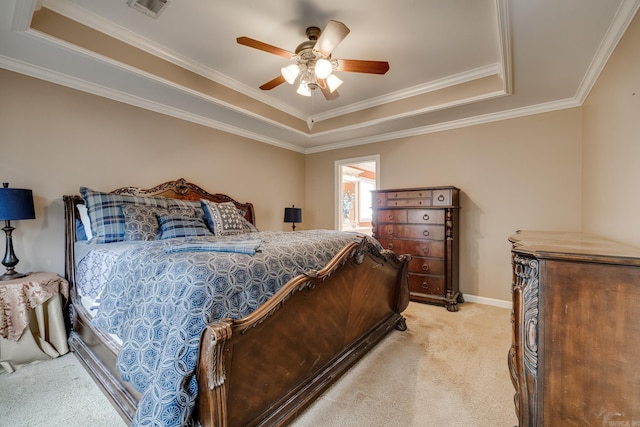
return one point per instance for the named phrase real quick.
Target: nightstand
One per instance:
(31, 321)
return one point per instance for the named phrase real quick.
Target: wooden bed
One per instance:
(263, 369)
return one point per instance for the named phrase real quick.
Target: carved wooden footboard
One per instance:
(266, 368)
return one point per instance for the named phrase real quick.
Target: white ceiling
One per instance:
(546, 54)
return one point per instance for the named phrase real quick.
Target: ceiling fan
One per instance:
(312, 61)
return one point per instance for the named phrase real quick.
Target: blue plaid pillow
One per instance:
(107, 218)
(182, 226)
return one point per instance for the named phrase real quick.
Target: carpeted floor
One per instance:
(447, 369)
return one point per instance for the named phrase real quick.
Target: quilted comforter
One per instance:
(159, 299)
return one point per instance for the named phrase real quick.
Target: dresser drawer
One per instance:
(425, 216)
(379, 200)
(430, 248)
(426, 284)
(392, 216)
(411, 194)
(442, 197)
(409, 203)
(416, 198)
(388, 231)
(426, 265)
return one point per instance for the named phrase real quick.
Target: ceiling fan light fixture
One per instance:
(303, 89)
(323, 68)
(290, 73)
(333, 82)
(311, 64)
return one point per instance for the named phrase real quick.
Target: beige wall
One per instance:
(611, 145)
(54, 139)
(515, 174)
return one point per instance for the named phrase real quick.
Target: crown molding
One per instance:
(430, 109)
(504, 35)
(110, 93)
(83, 16)
(444, 83)
(454, 124)
(625, 14)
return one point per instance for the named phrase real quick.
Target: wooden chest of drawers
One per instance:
(423, 222)
(575, 356)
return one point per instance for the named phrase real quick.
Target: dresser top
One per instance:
(392, 190)
(574, 246)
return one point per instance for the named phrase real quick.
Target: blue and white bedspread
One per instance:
(159, 301)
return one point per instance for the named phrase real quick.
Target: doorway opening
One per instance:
(355, 179)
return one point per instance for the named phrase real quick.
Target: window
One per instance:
(355, 179)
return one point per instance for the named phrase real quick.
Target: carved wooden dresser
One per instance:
(575, 357)
(423, 222)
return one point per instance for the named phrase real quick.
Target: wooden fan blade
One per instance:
(359, 66)
(273, 83)
(256, 44)
(331, 37)
(324, 87)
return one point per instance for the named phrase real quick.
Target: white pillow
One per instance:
(86, 222)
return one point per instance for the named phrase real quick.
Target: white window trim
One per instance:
(337, 201)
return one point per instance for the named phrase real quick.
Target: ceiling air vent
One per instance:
(149, 7)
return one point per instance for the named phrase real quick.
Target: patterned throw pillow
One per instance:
(222, 218)
(248, 227)
(141, 222)
(182, 226)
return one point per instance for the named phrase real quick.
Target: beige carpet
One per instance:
(447, 369)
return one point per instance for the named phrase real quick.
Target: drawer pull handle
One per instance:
(425, 233)
(425, 250)
(425, 217)
(425, 267)
(390, 217)
(425, 285)
(441, 198)
(390, 231)
(390, 246)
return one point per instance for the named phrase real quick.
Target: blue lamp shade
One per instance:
(293, 215)
(16, 203)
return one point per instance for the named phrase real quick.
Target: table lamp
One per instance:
(293, 215)
(15, 204)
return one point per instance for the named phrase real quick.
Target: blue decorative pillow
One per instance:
(182, 226)
(222, 218)
(80, 233)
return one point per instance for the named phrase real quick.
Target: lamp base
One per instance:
(10, 275)
(10, 260)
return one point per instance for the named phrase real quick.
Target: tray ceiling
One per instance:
(452, 63)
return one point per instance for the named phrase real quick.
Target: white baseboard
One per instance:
(488, 301)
